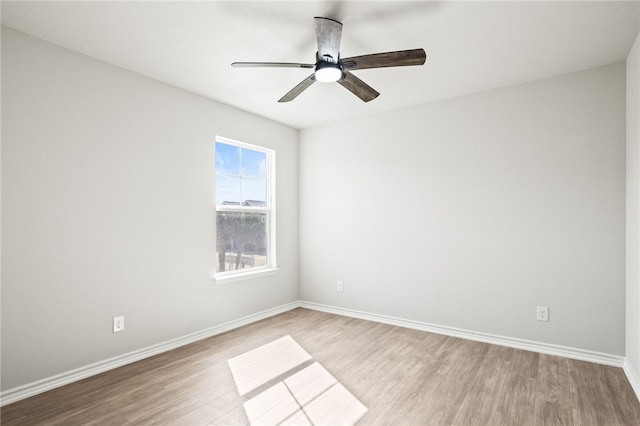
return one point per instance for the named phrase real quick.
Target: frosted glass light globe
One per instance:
(328, 73)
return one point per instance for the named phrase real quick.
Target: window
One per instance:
(245, 213)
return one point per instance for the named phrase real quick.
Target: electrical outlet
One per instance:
(542, 313)
(340, 286)
(118, 324)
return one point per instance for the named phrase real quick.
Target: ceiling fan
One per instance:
(329, 67)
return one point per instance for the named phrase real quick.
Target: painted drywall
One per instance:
(472, 211)
(108, 209)
(633, 212)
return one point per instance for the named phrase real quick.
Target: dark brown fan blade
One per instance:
(400, 58)
(328, 34)
(358, 87)
(293, 93)
(272, 64)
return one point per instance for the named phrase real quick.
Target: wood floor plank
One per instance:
(394, 371)
(516, 396)
(588, 400)
(433, 353)
(373, 350)
(422, 361)
(521, 363)
(402, 376)
(455, 373)
(235, 417)
(553, 380)
(625, 405)
(516, 391)
(504, 390)
(552, 414)
(201, 416)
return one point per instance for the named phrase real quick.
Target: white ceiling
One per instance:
(471, 46)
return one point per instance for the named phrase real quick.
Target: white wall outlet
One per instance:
(340, 286)
(542, 313)
(118, 324)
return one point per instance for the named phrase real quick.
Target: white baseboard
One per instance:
(40, 386)
(633, 377)
(545, 348)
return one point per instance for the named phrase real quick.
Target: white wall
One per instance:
(108, 209)
(472, 211)
(633, 214)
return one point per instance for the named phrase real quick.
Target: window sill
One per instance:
(231, 278)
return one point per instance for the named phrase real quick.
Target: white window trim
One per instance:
(270, 269)
(232, 276)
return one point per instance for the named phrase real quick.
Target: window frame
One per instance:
(269, 209)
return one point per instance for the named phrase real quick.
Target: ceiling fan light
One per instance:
(327, 72)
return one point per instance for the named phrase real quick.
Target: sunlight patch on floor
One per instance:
(258, 366)
(312, 396)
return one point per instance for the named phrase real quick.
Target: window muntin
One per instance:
(245, 213)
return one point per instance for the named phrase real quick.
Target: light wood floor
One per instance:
(403, 376)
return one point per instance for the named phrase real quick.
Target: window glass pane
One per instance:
(254, 163)
(241, 240)
(228, 190)
(254, 192)
(227, 159)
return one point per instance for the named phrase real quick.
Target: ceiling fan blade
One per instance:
(293, 93)
(329, 34)
(271, 64)
(400, 58)
(358, 87)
